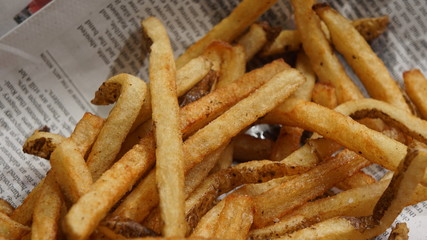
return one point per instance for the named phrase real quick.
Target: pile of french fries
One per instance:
(173, 160)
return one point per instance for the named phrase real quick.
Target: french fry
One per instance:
(360, 56)
(229, 28)
(233, 66)
(169, 150)
(416, 87)
(395, 197)
(247, 148)
(201, 200)
(42, 144)
(129, 92)
(70, 170)
(324, 94)
(84, 134)
(399, 232)
(253, 40)
(374, 146)
(5, 207)
(10, 229)
(281, 199)
(47, 211)
(207, 224)
(393, 116)
(323, 61)
(225, 159)
(289, 40)
(201, 89)
(235, 218)
(356, 180)
(92, 207)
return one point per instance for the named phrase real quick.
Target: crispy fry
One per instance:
(70, 170)
(232, 67)
(399, 232)
(5, 207)
(416, 87)
(207, 224)
(169, 150)
(229, 28)
(225, 159)
(374, 146)
(247, 148)
(287, 142)
(323, 61)
(47, 211)
(324, 94)
(356, 180)
(235, 219)
(395, 197)
(10, 229)
(42, 144)
(84, 216)
(393, 116)
(129, 92)
(279, 200)
(289, 40)
(360, 56)
(253, 40)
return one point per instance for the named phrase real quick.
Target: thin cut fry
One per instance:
(207, 224)
(324, 94)
(129, 92)
(279, 200)
(5, 207)
(323, 61)
(10, 229)
(360, 56)
(47, 211)
(70, 170)
(416, 87)
(232, 67)
(404, 121)
(235, 219)
(169, 151)
(286, 143)
(91, 208)
(42, 144)
(289, 40)
(229, 28)
(253, 40)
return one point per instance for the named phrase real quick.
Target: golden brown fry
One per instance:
(358, 179)
(416, 88)
(235, 219)
(324, 94)
(303, 65)
(10, 229)
(6, 207)
(374, 146)
(23, 213)
(253, 40)
(323, 60)
(404, 121)
(289, 40)
(279, 200)
(399, 232)
(247, 148)
(129, 92)
(225, 159)
(70, 170)
(371, 28)
(233, 66)
(169, 149)
(201, 200)
(229, 28)
(42, 144)
(207, 224)
(47, 211)
(360, 56)
(84, 216)
(404, 183)
(86, 132)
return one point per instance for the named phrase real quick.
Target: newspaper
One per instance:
(51, 65)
